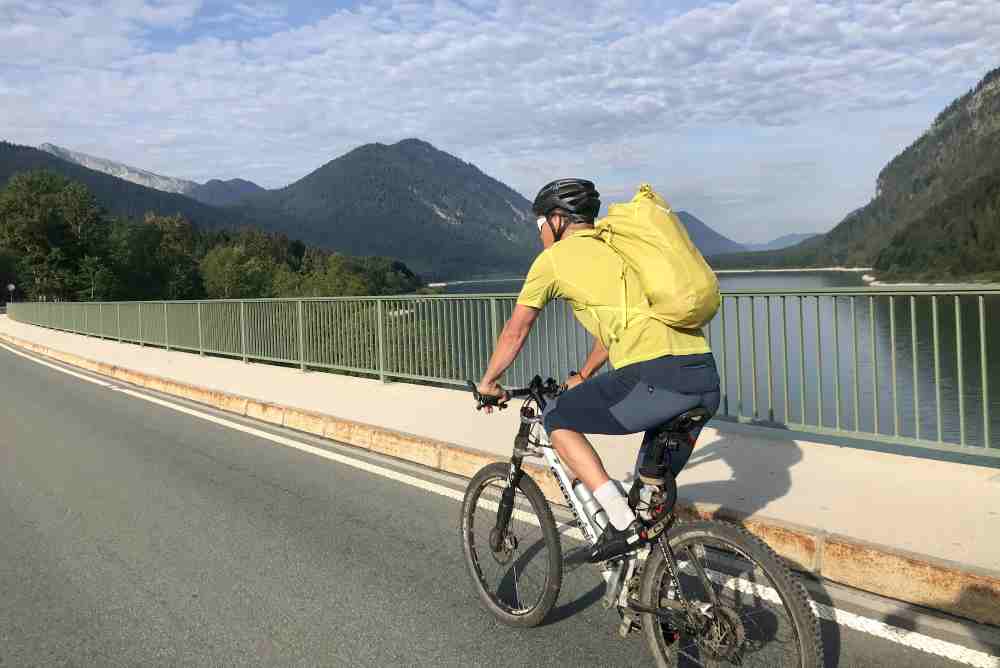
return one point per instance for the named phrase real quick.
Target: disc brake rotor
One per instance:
(724, 635)
(502, 550)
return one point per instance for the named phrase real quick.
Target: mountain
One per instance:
(118, 196)
(708, 241)
(443, 217)
(213, 192)
(958, 237)
(224, 193)
(948, 171)
(134, 174)
(783, 241)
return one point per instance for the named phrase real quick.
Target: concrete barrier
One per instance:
(912, 578)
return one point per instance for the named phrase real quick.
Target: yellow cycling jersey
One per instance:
(589, 275)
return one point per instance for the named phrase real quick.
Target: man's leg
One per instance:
(579, 455)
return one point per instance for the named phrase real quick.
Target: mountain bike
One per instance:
(703, 593)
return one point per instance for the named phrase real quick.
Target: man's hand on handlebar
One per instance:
(490, 395)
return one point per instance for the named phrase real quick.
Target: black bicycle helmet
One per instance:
(577, 196)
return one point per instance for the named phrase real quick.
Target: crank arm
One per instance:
(668, 611)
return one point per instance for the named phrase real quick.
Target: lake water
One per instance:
(828, 361)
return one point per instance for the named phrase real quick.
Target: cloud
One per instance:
(524, 91)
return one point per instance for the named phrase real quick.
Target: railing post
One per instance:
(493, 319)
(166, 327)
(140, 324)
(100, 320)
(302, 339)
(201, 345)
(380, 322)
(243, 330)
(984, 366)
(118, 320)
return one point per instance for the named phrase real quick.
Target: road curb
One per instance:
(912, 578)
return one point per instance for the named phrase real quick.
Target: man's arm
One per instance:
(595, 360)
(508, 346)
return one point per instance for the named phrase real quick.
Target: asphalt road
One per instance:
(133, 534)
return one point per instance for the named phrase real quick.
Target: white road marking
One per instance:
(873, 627)
(919, 641)
(56, 367)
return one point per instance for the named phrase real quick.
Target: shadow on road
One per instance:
(982, 600)
(985, 638)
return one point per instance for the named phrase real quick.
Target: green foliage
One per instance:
(236, 272)
(57, 243)
(940, 186)
(960, 236)
(50, 225)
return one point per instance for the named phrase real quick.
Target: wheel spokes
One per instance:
(746, 622)
(509, 581)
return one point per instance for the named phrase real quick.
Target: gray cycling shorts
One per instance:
(638, 397)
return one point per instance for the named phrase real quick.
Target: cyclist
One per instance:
(658, 371)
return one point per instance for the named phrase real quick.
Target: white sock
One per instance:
(615, 505)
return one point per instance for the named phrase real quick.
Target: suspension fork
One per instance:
(506, 506)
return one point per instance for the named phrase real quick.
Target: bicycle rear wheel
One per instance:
(761, 615)
(518, 577)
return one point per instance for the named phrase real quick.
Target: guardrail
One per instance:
(898, 365)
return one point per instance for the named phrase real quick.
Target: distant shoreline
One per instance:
(445, 284)
(802, 269)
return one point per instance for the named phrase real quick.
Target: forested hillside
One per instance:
(57, 242)
(440, 215)
(949, 171)
(958, 237)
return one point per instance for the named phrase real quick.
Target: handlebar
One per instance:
(538, 390)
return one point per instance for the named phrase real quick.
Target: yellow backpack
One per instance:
(682, 290)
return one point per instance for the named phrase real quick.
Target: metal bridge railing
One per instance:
(913, 366)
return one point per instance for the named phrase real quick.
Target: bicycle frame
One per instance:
(533, 441)
(539, 445)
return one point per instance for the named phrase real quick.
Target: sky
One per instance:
(761, 117)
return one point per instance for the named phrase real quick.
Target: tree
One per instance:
(175, 259)
(8, 272)
(230, 272)
(339, 276)
(49, 223)
(95, 280)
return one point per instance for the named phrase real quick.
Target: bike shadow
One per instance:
(737, 473)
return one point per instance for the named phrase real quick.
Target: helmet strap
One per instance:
(557, 235)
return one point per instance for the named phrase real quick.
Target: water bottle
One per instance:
(591, 507)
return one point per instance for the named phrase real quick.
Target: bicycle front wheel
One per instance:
(517, 575)
(745, 606)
